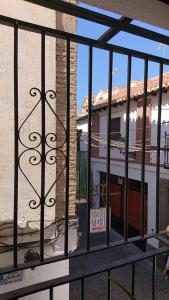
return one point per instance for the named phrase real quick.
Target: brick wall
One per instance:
(67, 23)
(95, 130)
(139, 124)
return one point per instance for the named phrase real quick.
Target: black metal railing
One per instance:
(105, 270)
(40, 152)
(166, 150)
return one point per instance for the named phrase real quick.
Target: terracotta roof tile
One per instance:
(120, 95)
(137, 90)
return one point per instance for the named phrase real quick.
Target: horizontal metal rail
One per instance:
(111, 32)
(49, 284)
(102, 19)
(80, 39)
(79, 253)
(91, 43)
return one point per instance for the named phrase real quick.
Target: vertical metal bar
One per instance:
(89, 144)
(158, 146)
(82, 289)
(108, 146)
(109, 285)
(127, 150)
(78, 161)
(143, 149)
(67, 150)
(121, 201)
(133, 279)
(51, 294)
(165, 145)
(15, 234)
(43, 117)
(153, 278)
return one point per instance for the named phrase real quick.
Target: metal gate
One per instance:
(43, 146)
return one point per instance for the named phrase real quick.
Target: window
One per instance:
(115, 129)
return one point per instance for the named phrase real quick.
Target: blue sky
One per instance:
(100, 57)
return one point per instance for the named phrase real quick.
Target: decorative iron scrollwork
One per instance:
(31, 154)
(51, 138)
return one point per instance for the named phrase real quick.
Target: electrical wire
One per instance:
(121, 145)
(59, 228)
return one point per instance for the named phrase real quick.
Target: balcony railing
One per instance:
(45, 142)
(166, 151)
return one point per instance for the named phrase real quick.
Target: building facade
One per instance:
(117, 161)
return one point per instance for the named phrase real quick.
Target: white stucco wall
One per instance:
(117, 167)
(40, 274)
(119, 112)
(138, 9)
(29, 12)
(82, 125)
(29, 76)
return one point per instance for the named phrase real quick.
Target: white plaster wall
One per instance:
(28, 12)
(40, 274)
(83, 125)
(120, 111)
(29, 76)
(152, 11)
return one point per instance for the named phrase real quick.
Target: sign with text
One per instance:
(11, 277)
(98, 220)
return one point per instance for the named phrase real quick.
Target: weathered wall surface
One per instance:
(118, 112)
(29, 75)
(66, 23)
(164, 203)
(138, 9)
(139, 129)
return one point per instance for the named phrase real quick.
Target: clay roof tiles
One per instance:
(136, 92)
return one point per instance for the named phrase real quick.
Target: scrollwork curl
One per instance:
(33, 92)
(35, 137)
(50, 94)
(34, 160)
(33, 204)
(49, 158)
(50, 202)
(51, 137)
(58, 174)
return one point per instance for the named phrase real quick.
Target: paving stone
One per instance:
(96, 287)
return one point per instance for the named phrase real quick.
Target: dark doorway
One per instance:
(117, 204)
